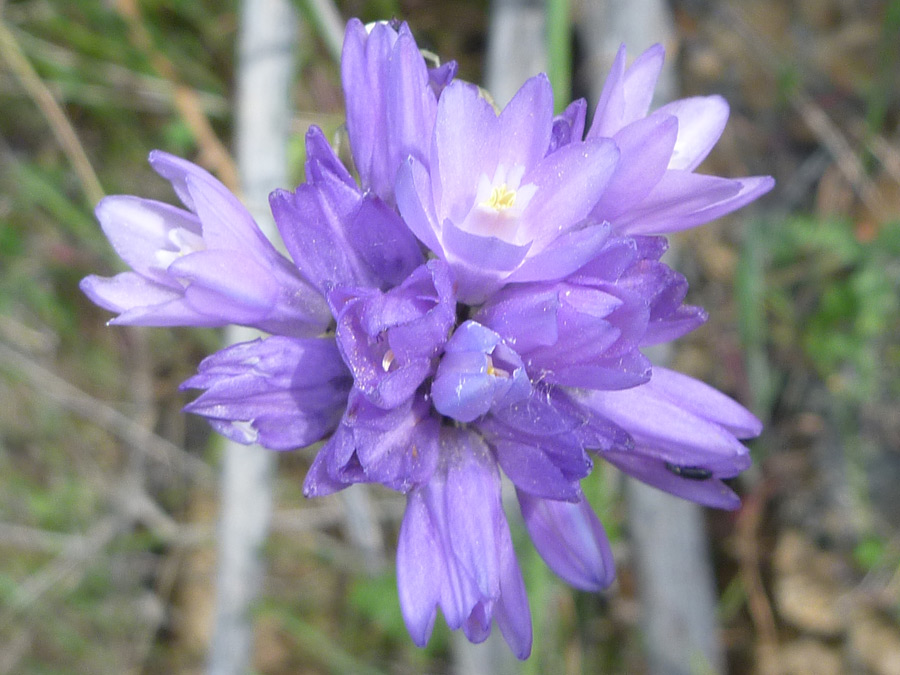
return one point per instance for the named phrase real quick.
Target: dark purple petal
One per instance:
(397, 448)
(364, 62)
(533, 467)
(338, 237)
(611, 262)
(568, 127)
(280, 392)
(610, 373)
(480, 264)
(391, 102)
(410, 106)
(455, 550)
(420, 568)
(627, 94)
(389, 340)
(640, 81)
(511, 611)
(610, 110)
(413, 193)
(550, 419)
(312, 224)
(322, 163)
(383, 242)
(678, 323)
(440, 77)
(573, 335)
(701, 399)
(570, 539)
(523, 315)
(678, 435)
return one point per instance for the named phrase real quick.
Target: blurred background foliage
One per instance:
(108, 492)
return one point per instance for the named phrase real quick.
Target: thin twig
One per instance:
(96, 411)
(828, 133)
(59, 124)
(844, 155)
(33, 539)
(747, 533)
(71, 564)
(887, 154)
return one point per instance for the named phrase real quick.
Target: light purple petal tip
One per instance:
(570, 539)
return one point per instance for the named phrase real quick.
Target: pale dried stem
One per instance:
(887, 154)
(62, 129)
(33, 539)
(847, 160)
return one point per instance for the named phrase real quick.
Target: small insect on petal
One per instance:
(689, 472)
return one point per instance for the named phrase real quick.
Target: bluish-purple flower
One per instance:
(475, 306)
(184, 262)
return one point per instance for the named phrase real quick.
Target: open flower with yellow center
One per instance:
(493, 203)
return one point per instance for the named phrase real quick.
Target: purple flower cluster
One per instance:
(473, 303)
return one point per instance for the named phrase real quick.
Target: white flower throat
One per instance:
(499, 201)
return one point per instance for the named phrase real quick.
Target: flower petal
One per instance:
(701, 121)
(138, 228)
(710, 492)
(570, 539)
(525, 124)
(682, 200)
(281, 392)
(466, 143)
(569, 182)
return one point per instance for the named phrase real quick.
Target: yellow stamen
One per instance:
(495, 372)
(501, 198)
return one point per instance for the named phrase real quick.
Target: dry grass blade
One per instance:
(56, 118)
(213, 152)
